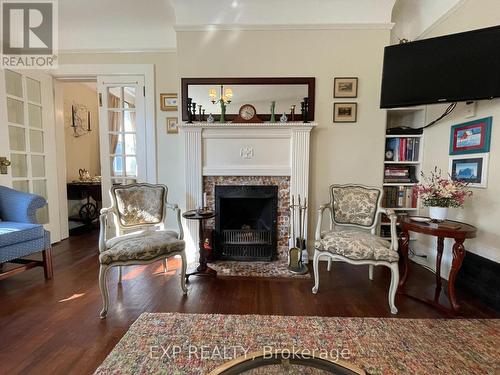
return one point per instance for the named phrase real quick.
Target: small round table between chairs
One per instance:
(203, 269)
(447, 229)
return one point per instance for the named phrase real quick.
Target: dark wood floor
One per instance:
(52, 327)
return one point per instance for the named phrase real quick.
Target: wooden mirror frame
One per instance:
(309, 81)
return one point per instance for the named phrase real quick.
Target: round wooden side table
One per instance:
(203, 269)
(446, 229)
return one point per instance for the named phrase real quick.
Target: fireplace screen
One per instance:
(246, 221)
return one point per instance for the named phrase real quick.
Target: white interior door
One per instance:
(122, 131)
(27, 139)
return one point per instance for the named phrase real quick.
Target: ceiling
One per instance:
(149, 25)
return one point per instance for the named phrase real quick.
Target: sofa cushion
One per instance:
(22, 249)
(141, 246)
(357, 245)
(14, 232)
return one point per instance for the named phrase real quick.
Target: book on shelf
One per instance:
(399, 197)
(399, 174)
(402, 149)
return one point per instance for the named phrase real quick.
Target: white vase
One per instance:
(438, 213)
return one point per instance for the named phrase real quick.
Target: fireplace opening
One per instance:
(246, 222)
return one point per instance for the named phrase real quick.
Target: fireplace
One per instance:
(246, 222)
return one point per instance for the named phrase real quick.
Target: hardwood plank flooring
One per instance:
(52, 327)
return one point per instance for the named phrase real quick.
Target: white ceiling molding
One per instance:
(339, 26)
(282, 12)
(415, 19)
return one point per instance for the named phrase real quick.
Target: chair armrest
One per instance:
(319, 222)
(175, 208)
(18, 206)
(391, 214)
(103, 223)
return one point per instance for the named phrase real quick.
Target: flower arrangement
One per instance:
(436, 191)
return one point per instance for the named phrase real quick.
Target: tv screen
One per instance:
(452, 68)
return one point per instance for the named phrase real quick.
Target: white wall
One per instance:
(340, 153)
(483, 209)
(81, 152)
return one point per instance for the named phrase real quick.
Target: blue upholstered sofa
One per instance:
(20, 234)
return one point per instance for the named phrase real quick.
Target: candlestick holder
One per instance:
(189, 113)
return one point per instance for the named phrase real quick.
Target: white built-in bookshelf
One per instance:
(402, 167)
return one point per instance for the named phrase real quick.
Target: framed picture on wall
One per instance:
(345, 87)
(172, 125)
(168, 102)
(472, 169)
(345, 112)
(471, 137)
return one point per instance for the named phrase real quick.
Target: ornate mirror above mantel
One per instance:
(286, 92)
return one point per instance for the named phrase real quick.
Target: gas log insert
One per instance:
(246, 222)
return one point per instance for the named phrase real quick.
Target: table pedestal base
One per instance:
(201, 271)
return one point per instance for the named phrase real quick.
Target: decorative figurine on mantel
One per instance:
(210, 118)
(304, 107)
(273, 107)
(193, 109)
(292, 112)
(283, 118)
(189, 113)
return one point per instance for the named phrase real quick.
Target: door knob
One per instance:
(4, 163)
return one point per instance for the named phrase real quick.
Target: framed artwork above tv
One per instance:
(471, 137)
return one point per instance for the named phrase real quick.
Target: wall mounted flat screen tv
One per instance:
(452, 68)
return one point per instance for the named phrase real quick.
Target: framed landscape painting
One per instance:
(345, 112)
(345, 87)
(472, 169)
(471, 137)
(168, 102)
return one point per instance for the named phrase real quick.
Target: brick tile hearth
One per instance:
(277, 268)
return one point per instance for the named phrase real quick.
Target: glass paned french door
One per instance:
(122, 130)
(27, 139)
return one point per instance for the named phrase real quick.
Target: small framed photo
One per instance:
(471, 137)
(172, 125)
(345, 112)
(472, 169)
(345, 87)
(168, 102)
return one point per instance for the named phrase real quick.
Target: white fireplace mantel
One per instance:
(260, 149)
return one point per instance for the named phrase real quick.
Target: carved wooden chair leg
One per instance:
(119, 274)
(103, 270)
(183, 272)
(316, 271)
(165, 265)
(370, 271)
(47, 263)
(329, 267)
(394, 286)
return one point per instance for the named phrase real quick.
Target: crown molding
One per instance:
(254, 27)
(104, 51)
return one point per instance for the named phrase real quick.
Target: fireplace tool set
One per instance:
(297, 215)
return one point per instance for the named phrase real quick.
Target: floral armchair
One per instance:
(139, 215)
(354, 214)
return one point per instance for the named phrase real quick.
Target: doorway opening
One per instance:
(82, 148)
